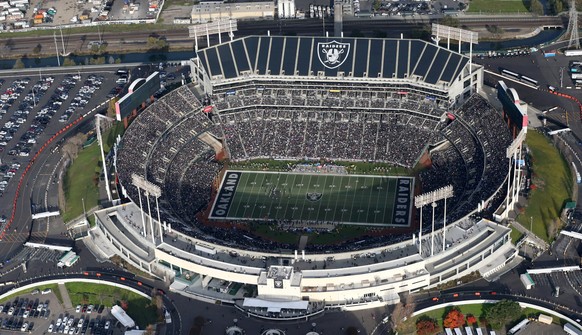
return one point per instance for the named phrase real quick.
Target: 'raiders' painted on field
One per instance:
(332, 54)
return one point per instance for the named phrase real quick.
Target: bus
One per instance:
(571, 329)
(578, 178)
(518, 327)
(230, 92)
(530, 81)
(510, 73)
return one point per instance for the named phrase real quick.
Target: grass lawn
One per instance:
(552, 182)
(80, 182)
(498, 6)
(478, 312)
(515, 235)
(53, 287)
(138, 307)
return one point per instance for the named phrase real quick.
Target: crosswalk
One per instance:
(36, 237)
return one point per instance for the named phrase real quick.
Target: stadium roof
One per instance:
(354, 57)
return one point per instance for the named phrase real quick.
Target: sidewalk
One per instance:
(65, 295)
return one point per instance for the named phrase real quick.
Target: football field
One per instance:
(351, 199)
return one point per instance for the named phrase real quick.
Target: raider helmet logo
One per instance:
(333, 54)
(313, 197)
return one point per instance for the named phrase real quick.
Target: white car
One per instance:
(24, 327)
(50, 328)
(78, 309)
(107, 324)
(66, 331)
(39, 307)
(26, 314)
(70, 322)
(59, 322)
(90, 309)
(72, 331)
(80, 324)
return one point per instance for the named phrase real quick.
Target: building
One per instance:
(68, 259)
(122, 317)
(388, 80)
(210, 10)
(286, 9)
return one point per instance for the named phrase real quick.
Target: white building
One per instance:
(286, 9)
(211, 10)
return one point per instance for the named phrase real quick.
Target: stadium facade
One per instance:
(249, 92)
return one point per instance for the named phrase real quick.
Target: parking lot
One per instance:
(40, 312)
(28, 105)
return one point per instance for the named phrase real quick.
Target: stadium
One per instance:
(271, 133)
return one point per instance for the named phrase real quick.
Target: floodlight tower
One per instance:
(98, 118)
(155, 191)
(431, 198)
(572, 31)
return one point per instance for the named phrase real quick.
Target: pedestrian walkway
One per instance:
(65, 295)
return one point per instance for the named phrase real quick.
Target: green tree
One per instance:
(502, 313)
(19, 64)
(68, 61)
(450, 21)
(536, 7)
(37, 49)
(377, 5)
(157, 43)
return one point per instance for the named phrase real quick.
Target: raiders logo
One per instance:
(313, 197)
(333, 54)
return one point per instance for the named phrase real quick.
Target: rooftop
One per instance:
(332, 57)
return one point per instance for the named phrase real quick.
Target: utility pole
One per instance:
(57, 49)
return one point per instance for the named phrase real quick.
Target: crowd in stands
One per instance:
(472, 159)
(164, 146)
(395, 137)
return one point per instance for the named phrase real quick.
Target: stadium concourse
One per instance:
(311, 100)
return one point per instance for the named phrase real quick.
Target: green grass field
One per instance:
(552, 182)
(477, 311)
(498, 6)
(80, 181)
(353, 199)
(139, 308)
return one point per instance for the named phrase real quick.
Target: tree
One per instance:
(502, 312)
(454, 319)
(37, 49)
(157, 43)
(536, 7)
(471, 320)
(376, 5)
(426, 326)
(68, 61)
(402, 311)
(449, 21)
(19, 64)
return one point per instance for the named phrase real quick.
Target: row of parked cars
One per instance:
(21, 114)
(13, 121)
(22, 307)
(90, 86)
(20, 312)
(71, 325)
